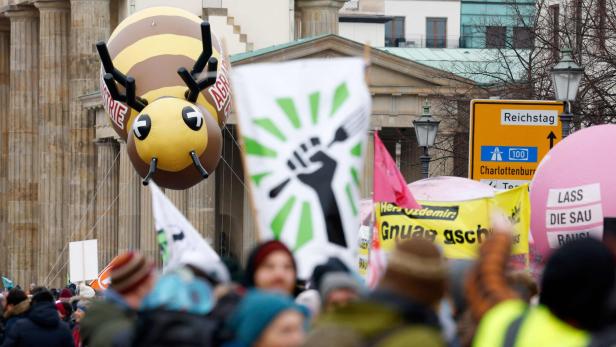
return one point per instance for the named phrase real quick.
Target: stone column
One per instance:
(319, 16)
(53, 133)
(23, 159)
(107, 199)
(89, 24)
(366, 186)
(5, 52)
(129, 204)
(201, 204)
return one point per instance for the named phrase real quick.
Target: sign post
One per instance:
(508, 139)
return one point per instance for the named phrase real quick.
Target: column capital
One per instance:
(19, 11)
(320, 3)
(58, 5)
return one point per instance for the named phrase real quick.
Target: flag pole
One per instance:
(247, 181)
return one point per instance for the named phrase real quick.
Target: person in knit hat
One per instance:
(65, 295)
(338, 289)
(271, 267)
(266, 319)
(112, 320)
(402, 309)
(17, 306)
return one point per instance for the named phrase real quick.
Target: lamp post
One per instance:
(566, 78)
(425, 131)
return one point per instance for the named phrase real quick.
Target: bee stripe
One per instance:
(152, 12)
(153, 26)
(153, 46)
(178, 92)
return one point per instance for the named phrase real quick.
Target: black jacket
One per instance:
(42, 328)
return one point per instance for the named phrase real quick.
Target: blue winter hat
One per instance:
(181, 291)
(256, 311)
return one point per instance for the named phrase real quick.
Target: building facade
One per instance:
(65, 175)
(497, 24)
(423, 23)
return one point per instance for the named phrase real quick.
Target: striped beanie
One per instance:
(129, 271)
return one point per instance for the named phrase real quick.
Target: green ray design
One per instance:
(288, 107)
(281, 217)
(257, 178)
(355, 175)
(254, 147)
(349, 194)
(356, 150)
(341, 94)
(314, 106)
(270, 127)
(304, 232)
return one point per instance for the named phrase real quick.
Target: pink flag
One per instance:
(389, 185)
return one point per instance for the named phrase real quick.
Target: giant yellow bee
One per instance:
(170, 117)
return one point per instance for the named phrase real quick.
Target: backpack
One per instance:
(164, 328)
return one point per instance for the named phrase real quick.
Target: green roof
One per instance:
(250, 54)
(484, 66)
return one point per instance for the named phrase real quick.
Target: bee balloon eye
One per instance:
(142, 126)
(192, 117)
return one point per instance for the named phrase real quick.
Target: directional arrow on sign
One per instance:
(551, 137)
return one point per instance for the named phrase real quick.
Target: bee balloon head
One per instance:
(173, 135)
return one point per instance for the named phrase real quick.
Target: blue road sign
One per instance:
(509, 154)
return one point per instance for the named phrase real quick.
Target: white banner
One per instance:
(304, 125)
(175, 234)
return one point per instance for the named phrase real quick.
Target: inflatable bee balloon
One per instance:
(170, 117)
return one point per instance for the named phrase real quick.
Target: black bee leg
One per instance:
(112, 74)
(191, 79)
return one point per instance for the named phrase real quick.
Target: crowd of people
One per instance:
(422, 299)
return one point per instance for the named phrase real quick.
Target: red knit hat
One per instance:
(259, 254)
(66, 294)
(129, 271)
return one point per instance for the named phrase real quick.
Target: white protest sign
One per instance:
(573, 213)
(83, 260)
(304, 127)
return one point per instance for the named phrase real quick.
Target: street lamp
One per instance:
(566, 78)
(425, 131)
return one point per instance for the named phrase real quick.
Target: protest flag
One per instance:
(389, 184)
(303, 125)
(7, 283)
(175, 235)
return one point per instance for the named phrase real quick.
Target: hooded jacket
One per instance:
(384, 319)
(41, 328)
(108, 323)
(12, 316)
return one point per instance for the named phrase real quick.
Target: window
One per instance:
(394, 32)
(522, 37)
(495, 37)
(555, 28)
(436, 32)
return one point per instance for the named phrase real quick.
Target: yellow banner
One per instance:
(457, 227)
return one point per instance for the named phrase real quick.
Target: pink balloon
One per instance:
(574, 188)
